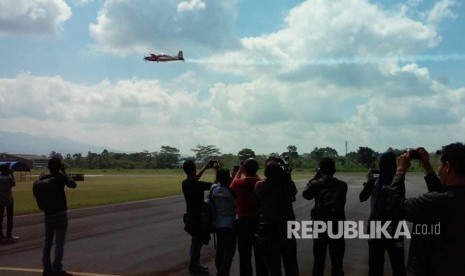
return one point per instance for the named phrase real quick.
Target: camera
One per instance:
(375, 172)
(212, 163)
(414, 154)
(282, 163)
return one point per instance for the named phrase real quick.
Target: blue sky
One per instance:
(258, 74)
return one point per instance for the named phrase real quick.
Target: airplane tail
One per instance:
(180, 55)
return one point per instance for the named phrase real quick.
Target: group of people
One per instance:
(249, 211)
(252, 213)
(53, 204)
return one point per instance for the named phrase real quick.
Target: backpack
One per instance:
(45, 193)
(209, 212)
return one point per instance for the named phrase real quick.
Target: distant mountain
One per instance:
(22, 143)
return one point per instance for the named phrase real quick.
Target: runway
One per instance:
(147, 238)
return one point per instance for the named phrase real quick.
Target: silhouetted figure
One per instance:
(330, 198)
(275, 195)
(193, 191)
(55, 215)
(437, 246)
(7, 182)
(378, 188)
(247, 219)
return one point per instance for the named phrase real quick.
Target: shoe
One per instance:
(12, 238)
(198, 271)
(47, 273)
(62, 273)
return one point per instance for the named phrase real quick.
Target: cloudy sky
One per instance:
(260, 74)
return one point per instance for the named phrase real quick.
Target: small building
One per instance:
(30, 160)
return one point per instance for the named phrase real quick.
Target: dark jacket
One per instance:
(193, 191)
(275, 200)
(379, 188)
(59, 180)
(275, 206)
(443, 209)
(330, 198)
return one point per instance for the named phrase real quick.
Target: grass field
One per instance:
(113, 186)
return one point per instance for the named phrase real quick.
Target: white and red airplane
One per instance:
(164, 57)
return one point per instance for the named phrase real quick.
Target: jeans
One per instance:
(55, 226)
(225, 249)
(246, 230)
(395, 249)
(336, 253)
(196, 246)
(280, 248)
(9, 219)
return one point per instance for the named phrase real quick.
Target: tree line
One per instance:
(169, 157)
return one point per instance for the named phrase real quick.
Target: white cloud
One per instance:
(125, 27)
(332, 33)
(110, 112)
(33, 17)
(336, 71)
(340, 70)
(441, 10)
(191, 5)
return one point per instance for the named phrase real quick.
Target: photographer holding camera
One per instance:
(275, 196)
(434, 253)
(378, 188)
(330, 197)
(247, 219)
(51, 198)
(193, 190)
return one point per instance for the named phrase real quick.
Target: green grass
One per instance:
(101, 187)
(105, 189)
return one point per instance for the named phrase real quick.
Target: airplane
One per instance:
(164, 57)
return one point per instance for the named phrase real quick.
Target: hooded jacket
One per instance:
(378, 188)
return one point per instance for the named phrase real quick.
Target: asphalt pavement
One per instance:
(147, 238)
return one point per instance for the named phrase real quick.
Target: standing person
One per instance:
(330, 198)
(378, 188)
(275, 196)
(441, 211)
(193, 191)
(224, 202)
(247, 219)
(55, 215)
(6, 202)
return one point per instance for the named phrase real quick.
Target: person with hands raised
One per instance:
(377, 188)
(437, 246)
(193, 190)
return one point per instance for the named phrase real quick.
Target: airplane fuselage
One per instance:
(163, 57)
